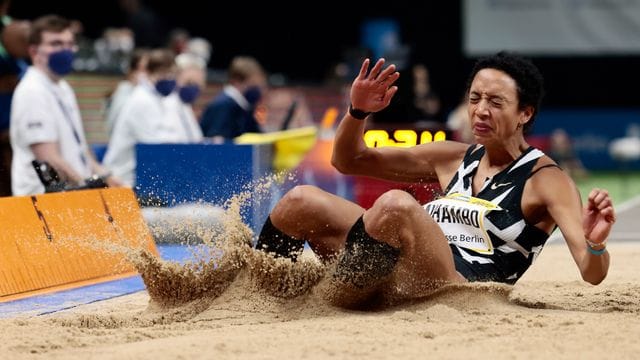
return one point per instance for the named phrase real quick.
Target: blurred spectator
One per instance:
(144, 117)
(561, 150)
(113, 50)
(191, 80)
(4, 10)
(232, 112)
(200, 47)
(14, 39)
(287, 109)
(84, 58)
(45, 118)
(459, 123)
(136, 74)
(425, 101)
(148, 28)
(178, 40)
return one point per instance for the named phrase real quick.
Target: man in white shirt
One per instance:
(144, 117)
(191, 80)
(45, 118)
(137, 73)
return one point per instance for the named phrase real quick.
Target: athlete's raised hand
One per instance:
(372, 90)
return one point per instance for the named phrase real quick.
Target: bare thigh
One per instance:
(323, 219)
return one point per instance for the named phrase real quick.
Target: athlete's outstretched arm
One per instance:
(585, 229)
(372, 91)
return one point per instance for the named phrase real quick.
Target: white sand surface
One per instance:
(550, 313)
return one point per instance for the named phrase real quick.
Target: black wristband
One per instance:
(357, 113)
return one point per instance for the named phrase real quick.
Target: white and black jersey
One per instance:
(487, 232)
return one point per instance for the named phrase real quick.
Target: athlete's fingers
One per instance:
(373, 74)
(596, 197)
(604, 203)
(593, 193)
(363, 69)
(390, 79)
(386, 72)
(609, 214)
(389, 94)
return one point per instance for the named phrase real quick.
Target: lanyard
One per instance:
(69, 120)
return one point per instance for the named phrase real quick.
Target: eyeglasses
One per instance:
(61, 44)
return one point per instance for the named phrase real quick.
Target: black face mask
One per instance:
(253, 95)
(189, 93)
(61, 62)
(165, 86)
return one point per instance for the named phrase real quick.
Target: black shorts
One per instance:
(478, 272)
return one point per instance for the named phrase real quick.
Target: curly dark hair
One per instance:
(529, 80)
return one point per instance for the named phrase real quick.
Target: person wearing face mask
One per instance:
(137, 73)
(14, 45)
(45, 120)
(231, 113)
(191, 80)
(144, 117)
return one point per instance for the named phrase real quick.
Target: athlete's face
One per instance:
(493, 107)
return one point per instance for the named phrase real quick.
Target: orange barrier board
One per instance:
(58, 241)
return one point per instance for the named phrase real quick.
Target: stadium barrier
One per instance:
(60, 241)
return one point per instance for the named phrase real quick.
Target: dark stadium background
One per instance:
(304, 40)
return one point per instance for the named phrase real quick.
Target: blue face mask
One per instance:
(188, 94)
(253, 95)
(61, 62)
(165, 86)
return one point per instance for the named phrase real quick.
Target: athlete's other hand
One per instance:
(598, 216)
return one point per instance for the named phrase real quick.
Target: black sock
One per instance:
(279, 244)
(365, 260)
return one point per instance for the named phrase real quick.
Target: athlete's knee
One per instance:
(395, 205)
(299, 198)
(396, 201)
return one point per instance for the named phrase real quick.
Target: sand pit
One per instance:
(234, 302)
(549, 313)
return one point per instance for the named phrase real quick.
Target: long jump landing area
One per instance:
(66, 299)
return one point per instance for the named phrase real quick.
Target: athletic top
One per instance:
(488, 231)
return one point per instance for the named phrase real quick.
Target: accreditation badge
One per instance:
(461, 218)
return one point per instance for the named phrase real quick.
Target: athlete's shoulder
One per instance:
(546, 164)
(442, 151)
(444, 147)
(547, 177)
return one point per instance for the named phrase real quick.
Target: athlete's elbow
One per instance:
(341, 165)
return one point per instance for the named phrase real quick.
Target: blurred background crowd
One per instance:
(588, 52)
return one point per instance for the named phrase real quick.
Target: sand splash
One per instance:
(227, 274)
(226, 255)
(226, 250)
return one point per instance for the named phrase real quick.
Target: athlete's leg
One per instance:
(395, 251)
(424, 261)
(309, 213)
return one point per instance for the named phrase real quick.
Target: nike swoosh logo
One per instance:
(495, 186)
